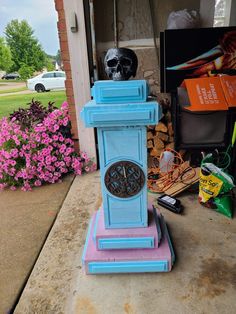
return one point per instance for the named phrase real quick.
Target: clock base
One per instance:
(132, 238)
(158, 259)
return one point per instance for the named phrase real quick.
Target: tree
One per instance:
(50, 61)
(49, 65)
(58, 57)
(25, 48)
(25, 71)
(5, 56)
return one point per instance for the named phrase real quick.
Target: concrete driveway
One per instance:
(5, 85)
(26, 219)
(13, 85)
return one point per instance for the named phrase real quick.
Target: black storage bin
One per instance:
(205, 130)
(202, 131)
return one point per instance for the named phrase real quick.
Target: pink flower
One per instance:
(37, 138)
(84, 155)
(48, 160)
(87, 169)
(31, 157)
(93, 167)
(3, 186)
(78, 171)
(64, 106)
(26, 187)
(37, 183)
(65, 121)
(56, 127)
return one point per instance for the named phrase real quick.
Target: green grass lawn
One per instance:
(9, 103)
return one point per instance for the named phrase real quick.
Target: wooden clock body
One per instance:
(121, 112)
(124, 235)
(123, 150)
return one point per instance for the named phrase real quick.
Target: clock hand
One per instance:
(124, 172)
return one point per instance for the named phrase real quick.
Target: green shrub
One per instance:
(26, 71)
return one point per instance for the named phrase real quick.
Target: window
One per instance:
(48, 75)
(222, 13)
(60, 74)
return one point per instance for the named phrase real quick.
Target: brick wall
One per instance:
(65, 56)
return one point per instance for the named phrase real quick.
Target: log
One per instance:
(170, 145)
(168, 116)
(161, 127)
(171, 139)
(155, 152)
(150, 144)
(170, 129)
(158, 143)
(162, 136)
(149, 135)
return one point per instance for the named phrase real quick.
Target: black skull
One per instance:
(120, 63)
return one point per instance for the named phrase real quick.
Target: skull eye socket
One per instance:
(112, 63)
(126, 62)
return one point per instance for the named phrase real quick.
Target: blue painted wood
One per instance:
(95, 226)
(127, 267)
(126, 243)
(125, 213)
(128, 114)
(133, 260)
(121, 113)
(123, 143)
(115, 92)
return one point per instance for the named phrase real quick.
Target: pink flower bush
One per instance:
(39, 154)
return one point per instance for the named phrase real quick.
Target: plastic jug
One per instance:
(166, 161)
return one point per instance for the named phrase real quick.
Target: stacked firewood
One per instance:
(161, 136)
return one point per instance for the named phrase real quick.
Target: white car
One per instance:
(47, 81)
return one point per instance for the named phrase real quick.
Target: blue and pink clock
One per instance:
(125, 235)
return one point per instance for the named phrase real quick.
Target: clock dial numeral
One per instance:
(124, 179)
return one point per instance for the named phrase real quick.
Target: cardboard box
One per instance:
(209, 93)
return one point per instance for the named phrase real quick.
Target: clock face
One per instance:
(124, 179)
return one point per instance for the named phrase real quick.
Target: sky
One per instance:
(40, 15)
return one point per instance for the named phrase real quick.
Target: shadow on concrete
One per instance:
(26, 220)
